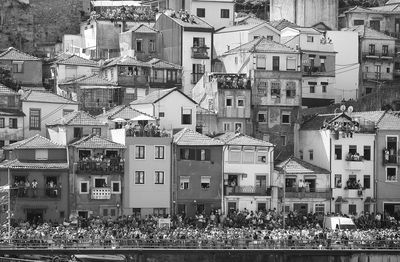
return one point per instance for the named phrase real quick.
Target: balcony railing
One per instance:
(378, 55)
(140, 131)
(354, 157)
(113, 165)
(231, 81)
(200, 52)
(100, 193)
(315, 70)
(293, 192)
(131, 80)
(390, 158)
(247, 190)
(41, 193)
(393, 34)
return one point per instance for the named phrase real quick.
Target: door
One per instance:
(300, 208)
(375, 24)
(34, 216)
(397, 25)
(310, 185)
(83, 214)
(378, 70)
(391, 145)
(261, 206)
(231, 206)
(182, 209)
(200, 208)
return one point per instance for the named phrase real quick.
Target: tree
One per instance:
(7, 79)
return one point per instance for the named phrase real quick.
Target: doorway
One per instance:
(34, 216)
(300, 208)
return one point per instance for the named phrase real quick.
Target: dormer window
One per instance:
(41, 154)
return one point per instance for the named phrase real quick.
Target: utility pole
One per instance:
(284, 196)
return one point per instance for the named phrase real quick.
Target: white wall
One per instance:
(319, 142)
(347, 66)
(213, 12)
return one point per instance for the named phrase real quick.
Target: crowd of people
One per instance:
(126, 13)
(238, 229)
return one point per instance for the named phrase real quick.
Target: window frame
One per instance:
(39, 121)
(11, 122)
(288, 114)
(80, 187)
(201, 12)
(19, 66)
(209, 182)
(96, 131)
(311, 154)
(225, 13)
(41, 154)
(386, 174)
(138, 152)
(2, 122)
(365, 149)
(366, 177)
(184, 180)
(112, 187)
(139, 178)
(341, 152)
(139, 40)
(241, 99)
(157, 177)
(157, 154)
(264, 114)
(186, 117)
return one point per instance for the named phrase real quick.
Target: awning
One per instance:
(341, 200)
(143, 118)
(310, 176)
(369, 200)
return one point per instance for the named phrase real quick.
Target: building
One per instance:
(164, 74)
(318, 65)
(345, 145)
(197, 173)
(307, 13)
(187, 41)
(248, 168)
(276, 89)
(38, 169)
(387, 165)
(42, 107)
(218, 13)
(174, 109)
(377, 56)
(229, 96)
(25, 69)
(97, 178)
(307, 187)
(11, 117)
(148, 161)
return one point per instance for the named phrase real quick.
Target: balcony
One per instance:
(292, 192)
(151, 131)
(247, 191)
(316, 71)
(44, 193)
(231, 81)
(200, 52)
(104, 167)
(377, 76)
(353, 164)
(378, 55)
(132, 80)
(100, 193)
(393, 34)
(390, 159)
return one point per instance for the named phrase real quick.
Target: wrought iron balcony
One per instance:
(41, 193)
(104, 167)
(200, 52)
(247, 190)
(100, 193)
(294, 192)
(389, 159)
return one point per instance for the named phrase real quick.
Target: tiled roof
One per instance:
(6, 90)
(16, 164)
(282, 23)
(262, 45)
(76, 118)
(93, 141)
(307, 30)
(390, 121)
(294, 165)
(368, 33)
(125, 61)
(231, 138)
(155, 96)
(91, 80)
(34, 142)
(197, 22)
(122, 111)
(17, 55)
(234, 28)
(187, 137)
(11, 112)
(77, 60)
(43, 96)
(374, 116)
(248, 19)
(158, 63)
(386, 9)
(142, 28)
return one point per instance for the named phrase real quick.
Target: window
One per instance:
(195, 154)
(139, 45)
(238, 127)
(322, 64)
(184, 182)
(338, 181)
(372, 49)
(201, 12)
(186, 116)
(283, 140)
(159, 212)
(367, 153)
(275, 63)
(227, 127)
(197, 72)
(13, 122)
(205, 182)
(34, 119)
(41, 154)
(224, 13)
(105, 212)
(261, 62)
(262, 155)
(115, 187)
(290, 89)
(152, 45)
(161, 114)
(388, 70)
(352, 149)
(228, 101)
(270, 37)
(11, 101)
(248, 155)
(285, 119)
(276, 89)
(385, 50)
(66, 112)
(236, 60)
(2, 123)
(159, 177)
(352, 209)
(310, 39)
(262, 87)
(96, 131)
(391, 174)
(358, 22)
(324, 86)
(139, 177)
(291, 63)
(199, 41)
(301, 154)
(367, 181)
(320, 209)
(2, 143)
(100, 182)
(140, 152)
(240, 102)
(262, 117)
(311, 154)
(312, 89)
(159, 152)
(18, 66)
(84, 187)
(78, 132)
(338, 152)
(235, 154)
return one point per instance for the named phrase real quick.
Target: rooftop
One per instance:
(368, 33)
(15, 54)
(34, 142)
(187, 137)
(90, 80)
(76, 60)
(6, 90)
(93, 141)
(77, 118)
(281, 24)
(231, 138)
(390, 121)
(295, 165)
(44, 96)
(143, 28)
(16, 164)
(11, 112)
(158, 63)
(125, 61)
(187, 20)
(123, 111)
(262, 45)
(156, 96)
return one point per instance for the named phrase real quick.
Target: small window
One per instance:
(84, 187)
(224, 13)
(338, 152)
(290, 89)
(78, 132)
(161, 114)
(116, 187)
(201, 12)
(320, 209)
(159, 152)
(352, 209)
(283, 140)
(152, 46)
(312, 89)
(34, 119)
(139, 45)
(240, 102)
(41, 154)
(261, 62)
(228, 102)
(205, 182)
(310, 39)
(227, 127)
(372, 49)
(275, 63)
(159, 212)
(66, 112)
(358, 22)
(2, 143)
(301, 154)
(367, 153)
(139, 177)
(13, 122)
(159, 177)
(276, 89)
(338, 180)
(391, 174)
(352, 149)
(2, 122)
(186, 116)
(184, 182)
(18, 66)
(291, 64)
(105, 212)
(270, 38)
(234, 154)
(262, 117)
(100, 182)
(388, 70)
(385, 50)
(285, 118)
(311, 154)
(324, 88)
(96, 131)
(238, 127)
(367, 181)
(140, 152)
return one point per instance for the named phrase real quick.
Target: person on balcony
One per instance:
(386, 155)
(34, 187)
(26, 187)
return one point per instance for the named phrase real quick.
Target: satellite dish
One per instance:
(350, 109)
(343, 108)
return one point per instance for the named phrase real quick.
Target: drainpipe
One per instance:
(375, 195)
(223, 177)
